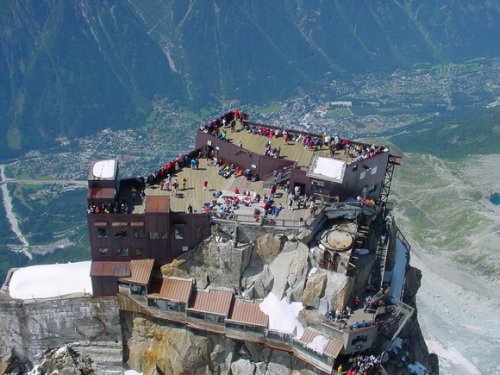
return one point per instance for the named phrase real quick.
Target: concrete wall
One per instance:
(374, 172)
(360, 339)
(231, 153)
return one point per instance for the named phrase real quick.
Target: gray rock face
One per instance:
(64, 361)
(217, 263)
(172, 350)
(314, 290)
(315, 256)
(260, 368)
(88, 324)
(337, 291)
(298, 273)
(304, 236)
(260, 285)
(243, 367)
(277, 369)
(290, 270)
(267, 247)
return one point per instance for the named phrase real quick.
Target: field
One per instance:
(441, 71)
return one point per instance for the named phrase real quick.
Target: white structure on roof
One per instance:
(104, 169)
(327, 168)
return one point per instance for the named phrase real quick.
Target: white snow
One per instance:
(132, 372)
(318, 344)
(312, 271)
(331, 168)
(451, 355)
(51, 280)
(104, 169)
(282, 315)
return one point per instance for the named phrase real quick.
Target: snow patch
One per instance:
(282, 315)
(454, 356)
(312, 271)
(51, 280)
(318, 344)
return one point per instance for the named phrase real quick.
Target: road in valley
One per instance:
(7, 203)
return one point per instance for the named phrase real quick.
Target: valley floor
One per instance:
(459, 317)
(450, 219)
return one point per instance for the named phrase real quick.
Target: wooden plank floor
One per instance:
(291, 150)
(197, 197)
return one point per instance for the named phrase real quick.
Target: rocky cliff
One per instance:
(98, 338)
(89, 326)
(159, 348)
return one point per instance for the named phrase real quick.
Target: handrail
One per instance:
(292, 130)
(250, 219)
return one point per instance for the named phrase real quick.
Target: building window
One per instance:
(158, 235)
(179, 231)
(101, 233)
(374, 170)
(121, 232)
(359, 339)
(103, 251)
(137, 289)
(138, 252)
(138, 233)
(122, 252)
(362, 175)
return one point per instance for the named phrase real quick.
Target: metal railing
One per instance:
(265, 221)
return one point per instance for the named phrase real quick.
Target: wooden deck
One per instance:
(195, 195)
(291, 150)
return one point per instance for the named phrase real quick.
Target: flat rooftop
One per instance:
(196, 196)
(290, 150)
(317, 160)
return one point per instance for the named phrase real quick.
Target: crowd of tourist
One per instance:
(314, 142)
(117, 208)
(218, 127)
(228, 204)
(361, 365)
(338, 314)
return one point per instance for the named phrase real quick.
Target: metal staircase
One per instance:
(362, 232)
(400, 314)
(270, 180)
(378, 270)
